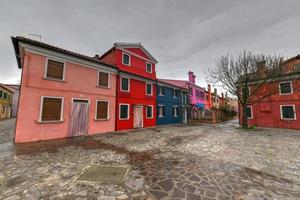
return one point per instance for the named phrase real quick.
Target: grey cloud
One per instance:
(182, 35)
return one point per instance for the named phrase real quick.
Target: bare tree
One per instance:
(238, 74)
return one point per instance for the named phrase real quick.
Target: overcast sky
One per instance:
(181, 35)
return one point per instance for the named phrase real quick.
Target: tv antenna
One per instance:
(36, 35)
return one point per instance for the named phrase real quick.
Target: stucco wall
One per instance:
(80, 82)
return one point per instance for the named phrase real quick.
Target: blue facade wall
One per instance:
(168, 101)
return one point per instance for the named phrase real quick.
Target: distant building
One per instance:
(281, 109)
(15, 100)
(196, 94)
(6, 96)
(172, 103)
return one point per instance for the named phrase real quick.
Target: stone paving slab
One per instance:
(171, 162)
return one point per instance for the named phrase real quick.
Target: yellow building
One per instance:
(6, 95)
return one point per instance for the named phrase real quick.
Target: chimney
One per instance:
(209, 96)
(97, 56)
(192, 77)
(222, 100)
(261, 68)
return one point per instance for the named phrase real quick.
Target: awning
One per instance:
(200, 105)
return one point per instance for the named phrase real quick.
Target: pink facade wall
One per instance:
(193, 98)
(80, 82)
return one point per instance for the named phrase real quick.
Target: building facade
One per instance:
(15, 100)
(280, 109)
(172, 103)
(62, 94)
(6, 98)
(196, 95)
(136, 85)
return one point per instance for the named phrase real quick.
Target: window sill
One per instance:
(124, 119)
(285, 119)
(161, 95)
(103, 87)
(282, 94)
(102, 119)
(49, 122)
(161, 116)
(149, 117)
(53, 79)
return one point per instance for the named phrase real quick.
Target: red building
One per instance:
(136, 96)
(282, 108)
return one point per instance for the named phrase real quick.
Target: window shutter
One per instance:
(103, 79)
(51, 109)
(102, 110)
(55, 70)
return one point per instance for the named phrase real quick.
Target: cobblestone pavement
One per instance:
(169, 162)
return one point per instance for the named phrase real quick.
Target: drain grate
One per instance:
(99, 173)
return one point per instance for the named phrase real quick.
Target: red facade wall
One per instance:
(266, 113)
(137, 66)
(137, 95)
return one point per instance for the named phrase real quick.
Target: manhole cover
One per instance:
(98, 173)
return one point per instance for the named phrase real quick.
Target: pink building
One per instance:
(196, 94)
(62, 94)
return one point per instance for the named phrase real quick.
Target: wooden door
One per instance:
(79, 119)
(138, 117)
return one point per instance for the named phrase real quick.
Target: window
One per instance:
(148, 88)
(288, 112)
(102, 110)
(103, 79)
(161, 91)
(52, 108)
(124, 111)
(161, 111)
(125, 84)
(206, 97)
(126, 59)
(297, 67)
(4, 95)
(1, 94)
(175, 111)
(175, 95)
(55, 70)
(285, 88)
(191, 91)
(149, 112)
(249, 112)
(148, 67)
(245, 91)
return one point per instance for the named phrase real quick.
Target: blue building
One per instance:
(172, 103)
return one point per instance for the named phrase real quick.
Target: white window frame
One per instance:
(291, 84)
(174, 92)
(160, 114)
(121, 84)
(160, 87)
(61, 110)
(109, 75)
(294, 108)
(128, 111)
(151, 112)
(46, 69)
(150, 67)
(251, 112)
(123, 53)
(248, 90)
(177, 111)
(108, 104)
(151, 94)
